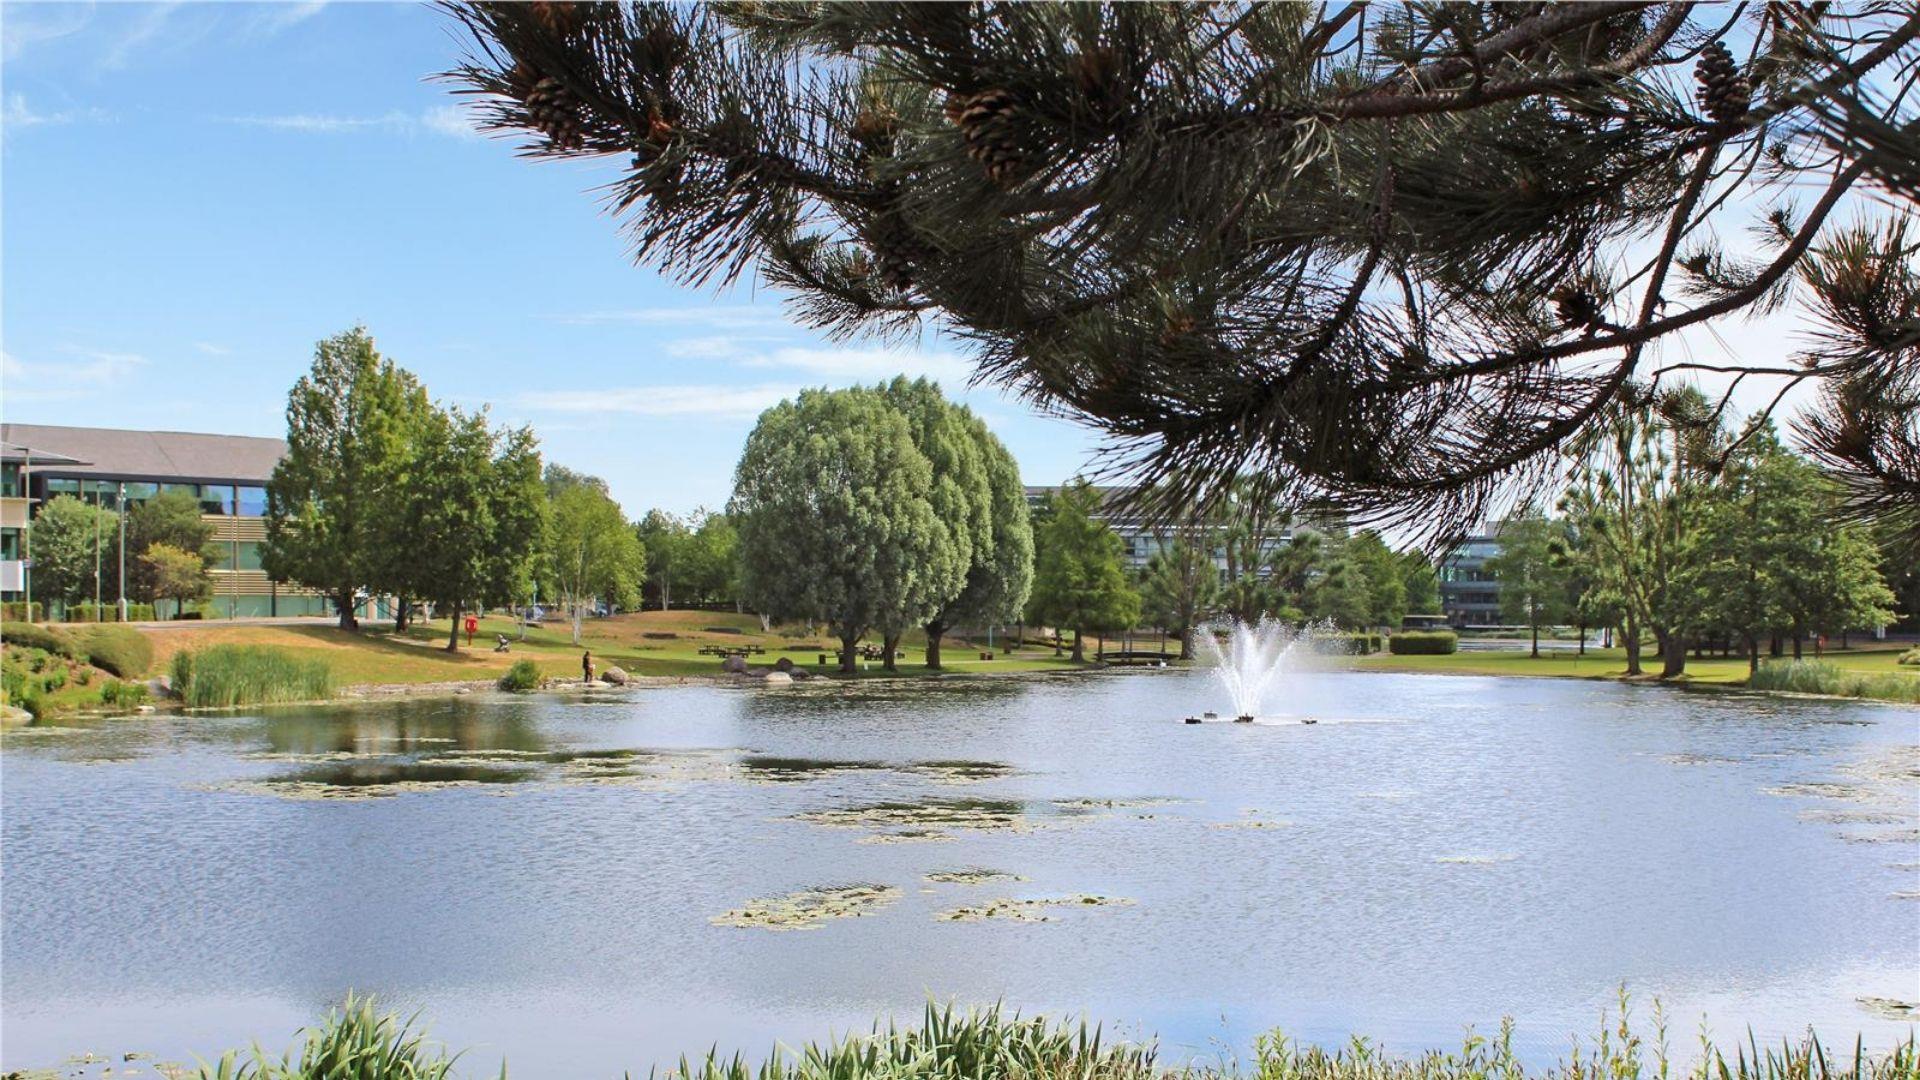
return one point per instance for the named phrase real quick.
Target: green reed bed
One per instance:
(358, 1043)
(1823, 677)
(226, 676)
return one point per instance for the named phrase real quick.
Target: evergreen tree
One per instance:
(1079, 582)
(1392, 256)
(1180, 586)
(1385, 578)
(1422, 585)
(833, 503)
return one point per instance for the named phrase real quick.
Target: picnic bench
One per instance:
(1135, 657)
(732, 650)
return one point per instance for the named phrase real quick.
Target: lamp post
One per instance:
(123, 551)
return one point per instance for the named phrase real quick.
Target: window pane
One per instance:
(249, 555)
(253, 502)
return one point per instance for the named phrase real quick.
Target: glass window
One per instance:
(10, 479)
(139, 493)
(249, 555)
(216, 499)
(60, 485)
(252, 502)
(9, 543)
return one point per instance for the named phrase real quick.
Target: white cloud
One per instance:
(146, 29)
(89, 371)
(27, 25)
(714, 316)
(210, 348)
(868, 365)
(20, 114)
(454, 121)
(277, 17)
(448, 120)
(742, 402)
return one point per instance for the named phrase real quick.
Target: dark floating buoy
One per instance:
(1308, 720)
(1247, 719)
(1210, 716)
(1191, 720)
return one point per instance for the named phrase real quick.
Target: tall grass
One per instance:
(1825, 677)
(358, 1043)
(225, 676)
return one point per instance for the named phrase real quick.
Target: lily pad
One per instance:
(809, 909)
(1038, 909)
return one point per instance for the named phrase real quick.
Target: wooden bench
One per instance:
(732, 650)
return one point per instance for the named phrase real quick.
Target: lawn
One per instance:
(642, 643)
(1609, 664)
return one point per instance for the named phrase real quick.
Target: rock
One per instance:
(464, 690)
(14, 716)
(785, 663)
(734, 665)
(778, 678)
(145, 710)
(160, 686)
(756, 672)
(614, 675)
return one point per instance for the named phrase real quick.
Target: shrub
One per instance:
(1826, 677)
(660, 635)
(18, 611)
(523, 675)
(225, 676)
(1911, 656)
(722, 630)
(125, 695)
(29, 636)
(1423, 643)
(120, 649)
(1357, 644)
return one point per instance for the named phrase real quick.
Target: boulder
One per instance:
(14, 716)
(614, 675)
(756, 672)
(785, 663)
(734, 665)
(778, 678)
(160, 686)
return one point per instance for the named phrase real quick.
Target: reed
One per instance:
(354, 1042)
(227, 676)
(1824, 677)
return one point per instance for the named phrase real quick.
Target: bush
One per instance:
(225, 676)
(1356, 644)
(523, 675)
(722, 630)
(18, 611)
(120, 649)
(1826, 677)
(1423, 643)
(1911, 656)
(125, 695)
(29, 636)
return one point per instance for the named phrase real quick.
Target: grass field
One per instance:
(1611, 664)
(379, 656)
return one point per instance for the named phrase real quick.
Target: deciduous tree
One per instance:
(591, 552)
(66, 545)
(1079, 582)
(176, 574)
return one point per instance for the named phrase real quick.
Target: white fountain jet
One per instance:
(1252, 660)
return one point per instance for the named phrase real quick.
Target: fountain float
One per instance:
(1253, 658)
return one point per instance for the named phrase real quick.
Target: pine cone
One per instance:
(1724, 92)
(1577, 307)
(898, 249)
(987, 122)
(555, 112)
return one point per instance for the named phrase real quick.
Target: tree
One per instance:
(334, 520)
(668, 545)
(1385, 578)
(170, 519)
(1532, 580)
(715, 575)
(1422, 585)
(1180, 586)
(1395, 257)
(592, 552)
(172, 573)
(1338, 589)
(66, 545)
(833, 503)
(478, 510)
(1079, 582)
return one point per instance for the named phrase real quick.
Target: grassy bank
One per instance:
(652, 643)
(227, 675)
(359, 1042)
(1612, 664)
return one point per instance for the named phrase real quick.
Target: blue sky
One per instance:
(192, 194)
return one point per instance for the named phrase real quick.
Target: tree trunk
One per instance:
(1534, 626)
(344, 601)
(1186, 644)
(1753, 655)
(889, 648)
(453, 636)
(576, 616)
(1674, 656)
(1797, 635)
(1079, 648)
(1630, 637)
(666, 594)
(848, 643)
(1775, 646)
(1582, 628)
(1056, 642)
(935, 631)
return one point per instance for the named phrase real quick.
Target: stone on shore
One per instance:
(779, 678)
(615, 676)
(734, 665)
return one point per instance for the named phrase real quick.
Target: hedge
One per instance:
(29, 636)
(107, 613)
(1423, 642)
(120, 649)
(17, 611)
(1357, 644)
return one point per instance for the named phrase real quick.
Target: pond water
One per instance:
(585, 886)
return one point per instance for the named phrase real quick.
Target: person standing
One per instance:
(586, 666)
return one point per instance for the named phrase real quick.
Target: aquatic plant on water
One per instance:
(226, 676)
(356, 1042)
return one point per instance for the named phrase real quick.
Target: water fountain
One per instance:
(1253, 658)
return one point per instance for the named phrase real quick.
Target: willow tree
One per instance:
(1389, 256)
(833, 502)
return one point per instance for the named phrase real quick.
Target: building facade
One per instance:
(1142, 539)
(1469, 592)
(117, 469)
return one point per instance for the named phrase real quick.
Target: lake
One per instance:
(590, 885)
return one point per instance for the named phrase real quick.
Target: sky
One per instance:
(192, 194)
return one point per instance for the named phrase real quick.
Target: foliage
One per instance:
(591, 552)
(335, 520)
(69, 544)
(107, 612)
(1395, 261)
(1421, 583)
(523, 675)
(21, 611)
(1533, 582)
(124, 695)
(1180, 586)
(833, 503)
(1354, 644)
(171, 519)
(1078, 580)
(171, 573)
(227, 676)
(354, 1042)
(1423, 642)
(120, 649)
(1385, 576)
(668, 544)
(30, 636)
(1822, 677)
